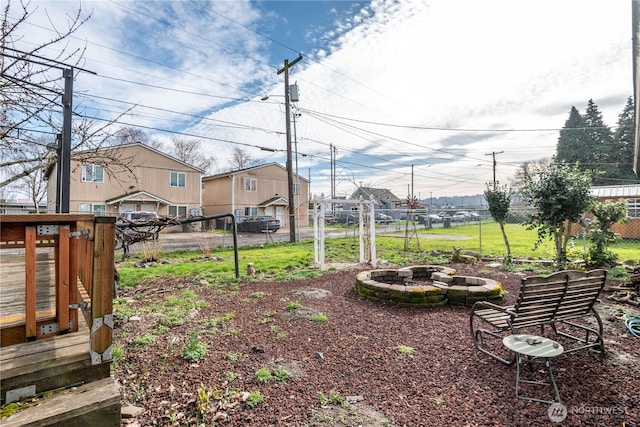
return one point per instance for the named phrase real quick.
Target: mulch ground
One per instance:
(353, 360)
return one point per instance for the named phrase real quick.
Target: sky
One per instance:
(415, 95)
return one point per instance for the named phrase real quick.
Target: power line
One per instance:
(448, 129)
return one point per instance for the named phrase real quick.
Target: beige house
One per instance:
(149, 181)
(259, 190)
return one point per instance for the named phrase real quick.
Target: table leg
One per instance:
(552, 381)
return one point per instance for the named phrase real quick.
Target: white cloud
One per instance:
(493, 64)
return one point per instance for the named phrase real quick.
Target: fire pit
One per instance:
(426, 286)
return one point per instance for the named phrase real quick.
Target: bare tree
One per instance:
(34, 185)
(240, 159)
(190, 151)
(30, 93)
(528, 170)
(132, 135)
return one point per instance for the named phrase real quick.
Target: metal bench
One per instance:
(556, 300)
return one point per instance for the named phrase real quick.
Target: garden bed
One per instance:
(348, 361)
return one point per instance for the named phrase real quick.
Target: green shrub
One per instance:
(144, 340)
(319, 318)
(293, 305)
(281, 374)
(195, 350)
(255, 397)
(263, 375)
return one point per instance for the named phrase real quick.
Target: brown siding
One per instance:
(151, 173)
(271, 181)
(216, 196)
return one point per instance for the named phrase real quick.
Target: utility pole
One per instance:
(333, 150)
(64, 160)
(297, 193)
(412, 181)
(493, 153)
(63, 140)
(292, 214)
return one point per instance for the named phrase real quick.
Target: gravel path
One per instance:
(366, 365)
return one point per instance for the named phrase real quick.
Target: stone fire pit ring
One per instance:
(426, 286)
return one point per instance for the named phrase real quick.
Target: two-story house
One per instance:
(142, 179)
(383, 198)
(258, 190)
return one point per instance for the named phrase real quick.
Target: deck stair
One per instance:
(56, 320)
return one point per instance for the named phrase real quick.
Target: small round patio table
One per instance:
(532, 348)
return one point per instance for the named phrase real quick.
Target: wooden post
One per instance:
(85, 254)
(73, 281)
(30, 282)
(62, 279)
(102, 289)
(85, 267)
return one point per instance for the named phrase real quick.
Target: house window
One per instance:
(180, 211)
(178, 179)
(250, 211)
(633, 208)
(92, 173)
(250, 184)
(96, 209)
(296, 188)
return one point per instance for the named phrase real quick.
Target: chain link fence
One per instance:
(475, 230)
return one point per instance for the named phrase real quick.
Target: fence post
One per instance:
(102, 289)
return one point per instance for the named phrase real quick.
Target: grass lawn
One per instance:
(286, 261)
(520, 239)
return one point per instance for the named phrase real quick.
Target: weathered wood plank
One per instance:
(45, 364)
(13, 288)
(73, 283)
(20, 351)
(30, 282)
(96, 404)
(7, 219)
(62, 279)
(49, 364)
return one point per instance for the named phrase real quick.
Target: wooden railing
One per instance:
(35, 304)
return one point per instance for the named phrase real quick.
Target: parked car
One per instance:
(259, 224)
(435, 219)
(137, 216)
(382, 218)
(459, 217)
(473, 216)
(345, 217)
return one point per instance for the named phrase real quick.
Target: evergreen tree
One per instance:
(598, 147)
(586, 141)
(621, 156)
(572, 139)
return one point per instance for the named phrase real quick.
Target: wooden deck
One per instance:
(56, 320)
(12, 297)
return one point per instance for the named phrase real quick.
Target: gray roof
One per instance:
(616, 191)
(379, 194)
